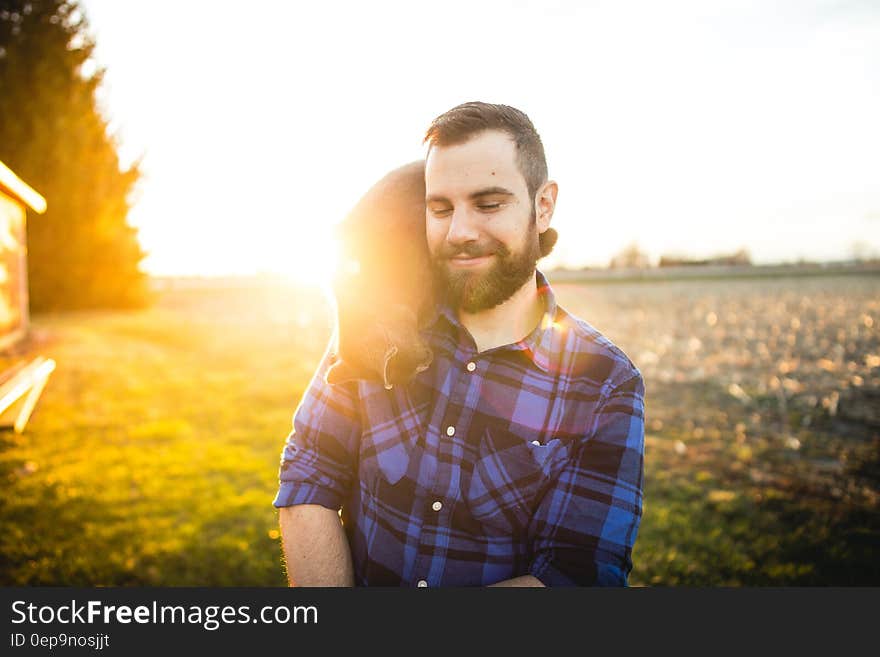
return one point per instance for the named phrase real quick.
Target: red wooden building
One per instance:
(23, 374)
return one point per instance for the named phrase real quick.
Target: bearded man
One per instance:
(517, 457)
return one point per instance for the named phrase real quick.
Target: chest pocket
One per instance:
(394, 422)
(508, 478)
(387, 459)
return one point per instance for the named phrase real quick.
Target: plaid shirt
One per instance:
(521, 459)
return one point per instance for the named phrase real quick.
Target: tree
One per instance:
(82, 253)
(861, 251)
(630, 257)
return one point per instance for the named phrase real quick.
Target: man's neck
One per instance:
(507, 322)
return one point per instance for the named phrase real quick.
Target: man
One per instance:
(516, 458)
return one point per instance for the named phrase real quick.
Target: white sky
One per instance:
(691, 127)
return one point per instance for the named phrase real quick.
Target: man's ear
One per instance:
(340, 372)
(545, 204)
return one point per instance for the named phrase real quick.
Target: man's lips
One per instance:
(469, 260)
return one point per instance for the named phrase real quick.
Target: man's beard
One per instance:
(474, 291)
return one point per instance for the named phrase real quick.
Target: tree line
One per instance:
(82, 253)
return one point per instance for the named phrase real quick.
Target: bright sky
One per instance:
(693, 127)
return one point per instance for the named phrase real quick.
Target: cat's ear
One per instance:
(340, 372)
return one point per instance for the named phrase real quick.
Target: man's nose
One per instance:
(462, 228)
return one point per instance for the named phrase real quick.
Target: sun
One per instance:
(310, 259)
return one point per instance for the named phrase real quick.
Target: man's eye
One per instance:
(441, 212)
(489, 207)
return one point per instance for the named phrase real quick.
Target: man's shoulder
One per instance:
(591, 356)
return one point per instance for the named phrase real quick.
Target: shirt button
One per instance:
(536, 443)
(450, 431)
(422, 583)
(437, 505)
(471, 366)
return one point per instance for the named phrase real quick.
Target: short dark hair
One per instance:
(462, 122)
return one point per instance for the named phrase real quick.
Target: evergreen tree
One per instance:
(82, 253)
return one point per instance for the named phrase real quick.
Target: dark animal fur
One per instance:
(383, 286)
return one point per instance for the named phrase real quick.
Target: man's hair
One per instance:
(461, 123)
(458, 125)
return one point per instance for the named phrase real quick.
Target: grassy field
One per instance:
(152, 456)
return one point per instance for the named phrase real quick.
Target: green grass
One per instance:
(725, 517)
(152, 456)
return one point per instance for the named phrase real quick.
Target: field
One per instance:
(152, 456)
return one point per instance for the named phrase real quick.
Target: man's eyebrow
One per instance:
(491, 191)
(487, 191)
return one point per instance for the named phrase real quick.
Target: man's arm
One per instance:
(585, 526)
(317, 467)
(315, 547)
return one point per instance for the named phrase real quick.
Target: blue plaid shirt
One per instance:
(521, 459)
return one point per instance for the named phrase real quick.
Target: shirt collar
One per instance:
(538, 344)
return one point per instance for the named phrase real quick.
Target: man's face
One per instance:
(480, 221)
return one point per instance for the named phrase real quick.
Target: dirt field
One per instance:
(762, 420)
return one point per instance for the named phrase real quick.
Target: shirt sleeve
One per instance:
(585, 525)
(319, 455)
